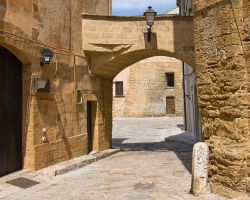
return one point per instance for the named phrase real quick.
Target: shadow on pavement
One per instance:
(172, 143)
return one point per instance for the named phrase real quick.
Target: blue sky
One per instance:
(137, 7)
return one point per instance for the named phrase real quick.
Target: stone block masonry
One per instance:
(26, 28)
(222, 66)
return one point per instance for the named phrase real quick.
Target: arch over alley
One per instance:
(112, 43)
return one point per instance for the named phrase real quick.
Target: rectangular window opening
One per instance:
(170, 79)
(119, 88)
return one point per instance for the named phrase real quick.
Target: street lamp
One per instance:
(47, 56)
(150, 18)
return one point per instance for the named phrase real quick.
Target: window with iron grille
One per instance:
(170, 79)
(119, 88)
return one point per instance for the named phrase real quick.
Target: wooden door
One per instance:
(89, 126)
(170, 105)
(91, 117)
(10, 112)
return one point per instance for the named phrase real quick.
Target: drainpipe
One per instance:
(110, 7)
(184, 95)
(70, 25)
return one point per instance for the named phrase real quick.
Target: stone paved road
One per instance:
(148, 168)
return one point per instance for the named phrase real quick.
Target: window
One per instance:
(170, 79)
(119, 88)
(170, 105)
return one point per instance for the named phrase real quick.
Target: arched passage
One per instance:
(10, 112)
(144, 135)
(118, 62)
(122, 41)
(111, 68)
(113, 43)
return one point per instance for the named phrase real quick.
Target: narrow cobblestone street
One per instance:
(155, 163)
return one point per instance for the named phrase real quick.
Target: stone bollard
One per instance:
(200, 169)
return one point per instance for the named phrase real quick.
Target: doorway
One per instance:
(91, 114)
(10, 113)
(170, 105)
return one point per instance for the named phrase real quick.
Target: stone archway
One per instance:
(112, 67)
(108, 72)
(113, 43)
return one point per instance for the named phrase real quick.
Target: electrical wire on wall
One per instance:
(242, 45)
(31, 89)
(37, 44)
(57, 51)
(56, 67)
(89, 68)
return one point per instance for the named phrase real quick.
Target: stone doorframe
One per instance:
(98, 129)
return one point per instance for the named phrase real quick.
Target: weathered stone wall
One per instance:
(222, 64)
(100, 7)
(146, 89)
(118, 107)
(26, 27)
(119, 101)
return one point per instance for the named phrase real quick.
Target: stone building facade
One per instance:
(147, 90)
(54, 122)
(185, 7)
(222, 44)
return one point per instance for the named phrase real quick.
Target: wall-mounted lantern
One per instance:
(42, 85)
(47, 56)
(150, 18)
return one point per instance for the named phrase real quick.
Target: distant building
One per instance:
(174, 11)
(185, 7)
(149, 88)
